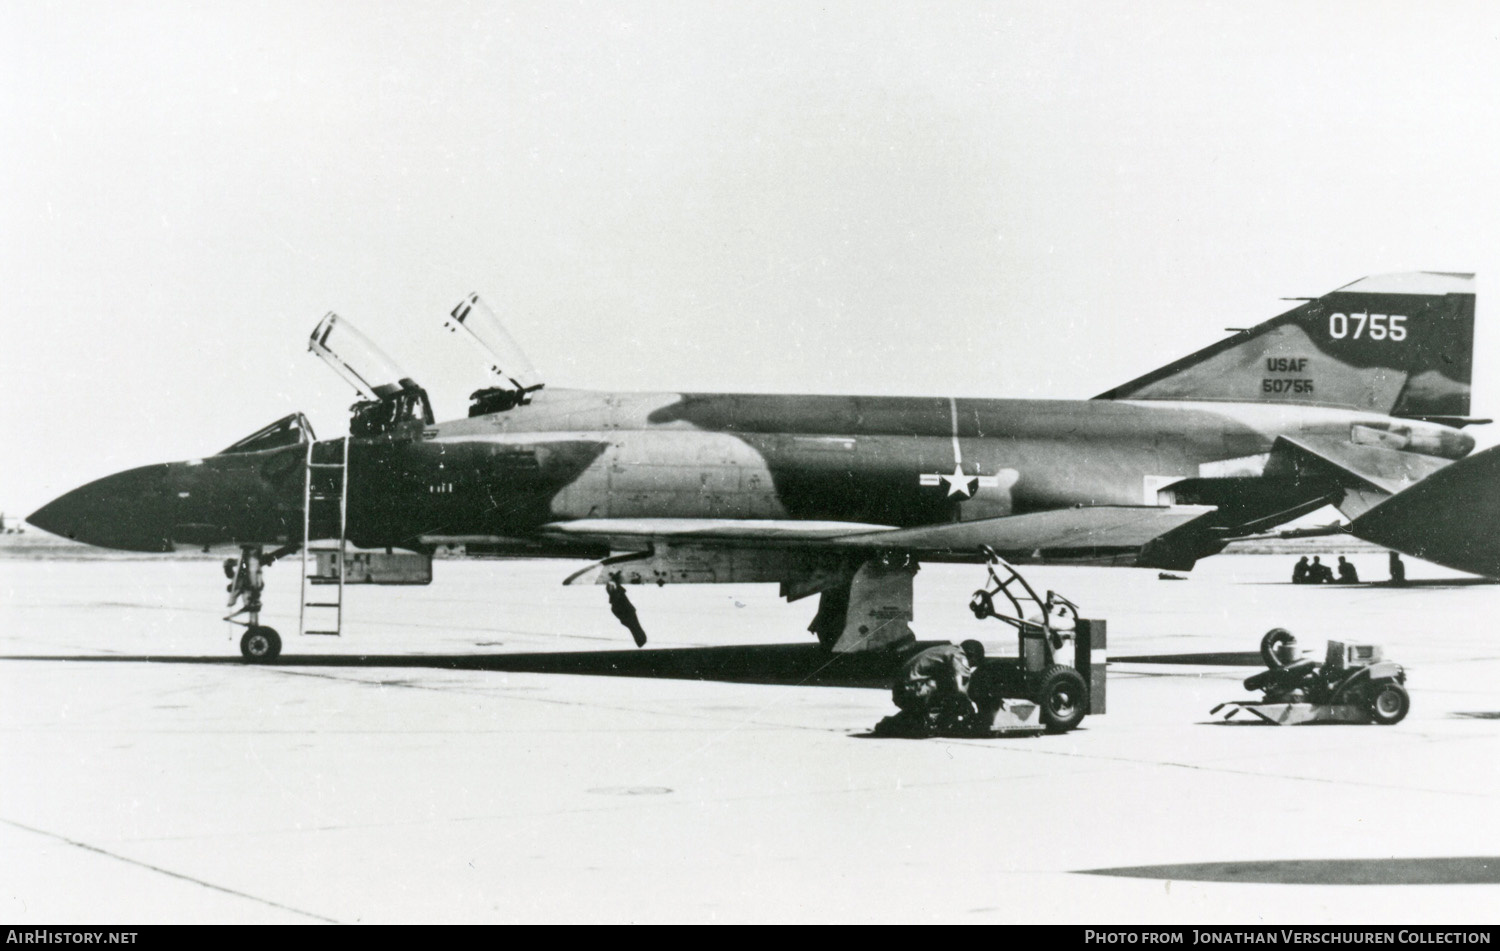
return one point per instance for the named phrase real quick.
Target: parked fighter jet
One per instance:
(1355, 399)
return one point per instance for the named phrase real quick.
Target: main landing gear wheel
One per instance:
(1063, 697)
(260, 645)
(1389, 704)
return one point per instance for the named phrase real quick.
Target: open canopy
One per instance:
(355, 357)
(507, 365)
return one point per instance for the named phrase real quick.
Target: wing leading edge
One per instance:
(1147, 536)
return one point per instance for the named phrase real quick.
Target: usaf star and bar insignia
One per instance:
(960, 483)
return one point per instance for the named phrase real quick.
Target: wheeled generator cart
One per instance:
(1058, 674)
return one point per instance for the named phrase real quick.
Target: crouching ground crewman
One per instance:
(932, 688)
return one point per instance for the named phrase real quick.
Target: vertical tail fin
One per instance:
(1400, 344)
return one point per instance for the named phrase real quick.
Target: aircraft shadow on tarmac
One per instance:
(1461, 870)
(775, 664)
(1438, 583)
(1209, 659)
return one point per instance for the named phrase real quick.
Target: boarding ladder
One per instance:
(325, 490)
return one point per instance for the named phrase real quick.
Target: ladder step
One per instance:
(325, 484)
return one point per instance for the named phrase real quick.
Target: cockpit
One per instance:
(292, 430)
(392, 400)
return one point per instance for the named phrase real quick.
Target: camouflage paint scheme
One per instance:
(1307, 409)
(577, 455)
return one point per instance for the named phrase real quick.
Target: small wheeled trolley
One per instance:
(1353, 684)
(1055, 679)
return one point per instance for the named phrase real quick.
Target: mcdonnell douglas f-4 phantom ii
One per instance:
(1356, 399)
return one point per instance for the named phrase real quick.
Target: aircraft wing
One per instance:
(1155, 536)
(1100, 534)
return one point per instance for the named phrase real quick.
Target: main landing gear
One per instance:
(260, 644)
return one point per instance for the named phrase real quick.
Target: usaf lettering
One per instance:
(1286, 365)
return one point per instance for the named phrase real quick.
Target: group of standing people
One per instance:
(1315, 572)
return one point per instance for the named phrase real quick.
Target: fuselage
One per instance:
(571, 454)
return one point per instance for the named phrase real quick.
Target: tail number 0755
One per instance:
(1374, 326)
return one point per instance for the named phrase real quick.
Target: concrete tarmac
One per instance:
(453, 759)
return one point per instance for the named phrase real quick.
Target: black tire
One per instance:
(1063, 697)
(1388, 703)
(1275, 636)
(260, 645)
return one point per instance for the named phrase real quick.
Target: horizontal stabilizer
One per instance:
(1451, 518)
(1389, 470)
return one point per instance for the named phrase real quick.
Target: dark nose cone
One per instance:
(132, 510)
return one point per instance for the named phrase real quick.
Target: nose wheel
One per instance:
(260, 644)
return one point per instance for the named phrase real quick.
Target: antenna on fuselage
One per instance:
(512, 378)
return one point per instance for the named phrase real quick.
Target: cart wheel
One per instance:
(1063, 697)
(1274, 638)
(260, 645)
(1389, 703)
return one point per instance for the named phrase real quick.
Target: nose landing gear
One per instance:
(260, 644)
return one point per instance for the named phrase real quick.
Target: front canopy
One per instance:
(355, 357)
(291, 430)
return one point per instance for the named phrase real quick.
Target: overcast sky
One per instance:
(994, 199)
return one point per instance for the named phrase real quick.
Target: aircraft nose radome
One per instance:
(51, 517)
(128, 510)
